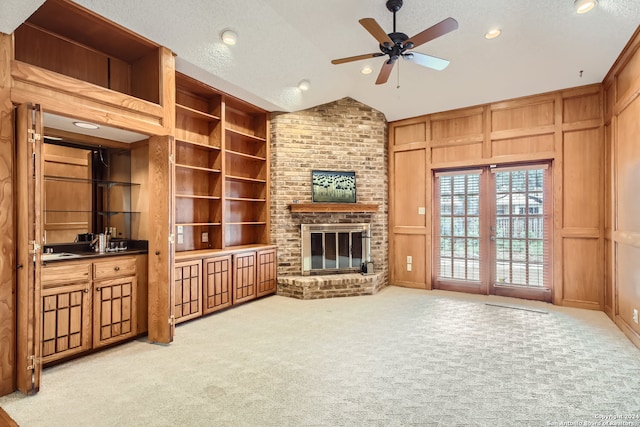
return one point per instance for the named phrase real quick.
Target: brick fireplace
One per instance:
(344, 135)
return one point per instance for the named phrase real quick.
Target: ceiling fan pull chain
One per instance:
(398, 71)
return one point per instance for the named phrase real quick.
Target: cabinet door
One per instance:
(114, 310)
(267, 272)
(217, 283)
(244, 277)
(187, 298)
(66, 320)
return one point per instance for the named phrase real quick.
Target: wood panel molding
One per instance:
(519, 133)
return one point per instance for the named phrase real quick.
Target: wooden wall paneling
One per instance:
(464, 123)
(409, 191)
(159, 228)
(582, 108)
(466, 152)
(415, 246)
(609, 271)
(409, 131)
(628, 284)
(7, 224)
(557, 191)
(527, 145)
(524, 113)
(142, 294)
(627, 148)
(582, 281)
(582, 173)
(628, 77)
(167, 88)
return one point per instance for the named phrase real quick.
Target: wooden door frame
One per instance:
(487, 246)
(29, 187)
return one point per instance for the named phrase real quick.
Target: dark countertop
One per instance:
(79, 251)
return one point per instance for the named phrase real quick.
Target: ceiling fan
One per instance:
(396, 44)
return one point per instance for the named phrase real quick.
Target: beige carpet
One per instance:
(402, 357)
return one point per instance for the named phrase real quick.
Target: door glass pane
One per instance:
(344, 250)
(521, 245)
(316, 250)
(330, 255)
(459, 197)
(356, 249)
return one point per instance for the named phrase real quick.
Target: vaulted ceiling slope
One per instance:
(545, 45)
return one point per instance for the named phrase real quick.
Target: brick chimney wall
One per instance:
(344, 135)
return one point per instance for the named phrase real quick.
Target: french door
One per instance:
(492, 231)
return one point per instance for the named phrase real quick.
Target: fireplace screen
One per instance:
(334, 248)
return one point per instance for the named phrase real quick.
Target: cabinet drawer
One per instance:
(66, 273)
(119, 267)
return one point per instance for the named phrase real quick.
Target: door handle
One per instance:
(493, 238)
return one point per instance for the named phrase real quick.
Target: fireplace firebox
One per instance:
(335, 248)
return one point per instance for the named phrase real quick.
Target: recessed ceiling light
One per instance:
(229, 37)
(584, 6)
(366, 70)
(304, 85)
(493, 33)
(85, 125)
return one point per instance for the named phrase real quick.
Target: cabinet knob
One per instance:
(86, 290)
(116, 268)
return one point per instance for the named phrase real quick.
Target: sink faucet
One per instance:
(92, 245)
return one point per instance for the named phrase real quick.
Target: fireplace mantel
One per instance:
(334, 207)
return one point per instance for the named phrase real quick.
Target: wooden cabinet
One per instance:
(87, 305)
(267, 269)
(217, 284)
(244, 277)
(64, 38)
(187, 290)
(66, 310)
(208, 281)
(114, 310)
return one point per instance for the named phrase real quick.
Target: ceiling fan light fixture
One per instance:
(584, 6)
(304, 85)
(229, 37)
(366, 70)
(493, 33)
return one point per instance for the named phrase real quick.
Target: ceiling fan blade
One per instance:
(357, 58)
(440, 29)
(376, 31)
(385, 71)
(426, 60)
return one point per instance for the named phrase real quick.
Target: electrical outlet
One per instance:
(422, 211)
(409, 259)
(205, 237)
(180, 239)
(180, 229)
(635, 315)
(408, 267)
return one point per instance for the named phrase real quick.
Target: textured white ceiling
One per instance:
(544, 46)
